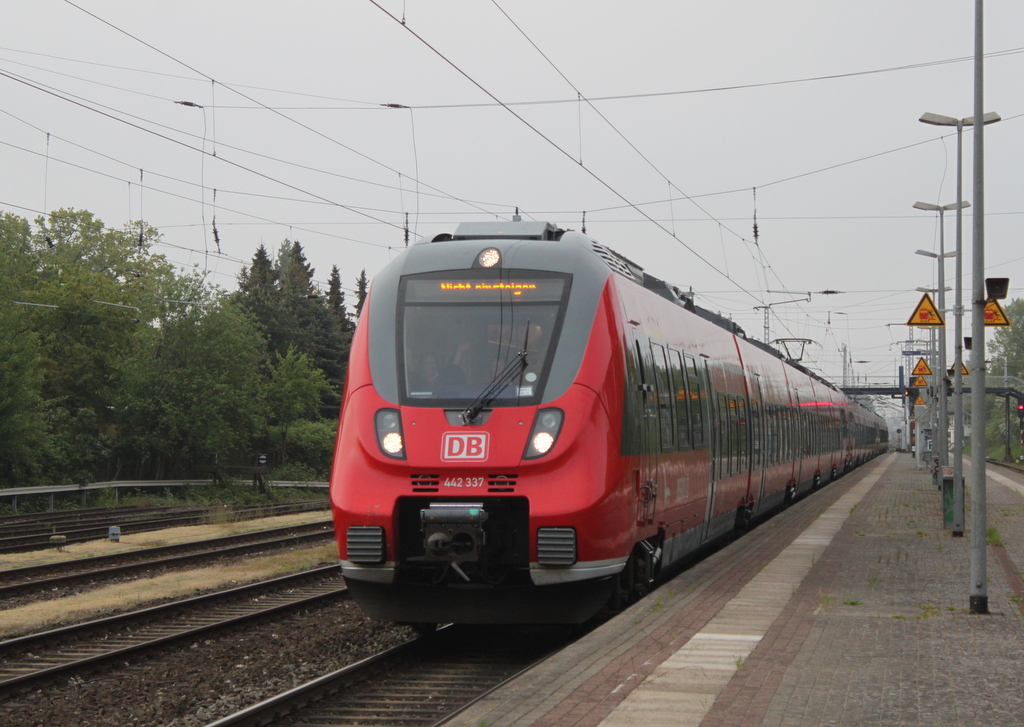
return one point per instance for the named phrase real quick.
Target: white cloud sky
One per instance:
(292, 101)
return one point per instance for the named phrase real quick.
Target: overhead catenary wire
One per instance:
(376, 105)
(247, 97)
(263, 220)
(556, 146)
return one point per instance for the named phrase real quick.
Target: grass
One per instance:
(993, 538)
(928, 611)
(154, 539)
(125, 596)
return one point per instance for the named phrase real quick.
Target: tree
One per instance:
(90, 287)
(361, 287)
(285, 300)
(192, 394)
(294, 392)
(1006, 353)
(24, 429)
(336, 300)
(1008, 343)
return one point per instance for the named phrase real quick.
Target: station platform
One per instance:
(848, 608)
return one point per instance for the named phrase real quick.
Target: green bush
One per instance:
(310, 446)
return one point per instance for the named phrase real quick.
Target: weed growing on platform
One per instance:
(993, 538)
(739, 663)
(852, 603)
(873, 580)
(928, 611)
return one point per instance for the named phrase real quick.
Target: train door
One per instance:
(647, 405)
(714, 444)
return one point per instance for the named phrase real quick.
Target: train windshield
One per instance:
(460, 330)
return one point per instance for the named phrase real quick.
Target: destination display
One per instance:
(467, 290)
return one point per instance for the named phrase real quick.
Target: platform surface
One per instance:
(848, 608)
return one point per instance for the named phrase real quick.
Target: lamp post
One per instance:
(958, 311)
(943, 440)
(931, 394)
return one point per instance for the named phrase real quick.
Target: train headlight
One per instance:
(489, 258)
(389, 433)
(542, 442)
(545, 433)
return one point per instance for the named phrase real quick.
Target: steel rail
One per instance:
(41, 539)
(421, 682)
(237, 605)
(37, 578)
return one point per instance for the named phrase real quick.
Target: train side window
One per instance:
(727, 419)
(698, 402)
(742, 434)
(773, 419)
(664, 393)
(682, 400)
(756, 434)
(787, 434)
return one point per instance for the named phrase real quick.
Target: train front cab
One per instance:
(438, 536)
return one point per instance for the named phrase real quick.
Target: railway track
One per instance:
(1015, 466)
(418, 683)
(36, 534)
(31, 662)
(31, 580)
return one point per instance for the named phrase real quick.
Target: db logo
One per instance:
(457, 447)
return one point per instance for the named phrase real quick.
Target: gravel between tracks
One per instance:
(191, 685)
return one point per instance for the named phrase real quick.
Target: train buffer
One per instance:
(851, 607)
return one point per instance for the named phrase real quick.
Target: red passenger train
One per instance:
(533, 427)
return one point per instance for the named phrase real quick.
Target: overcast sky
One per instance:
(659, 119)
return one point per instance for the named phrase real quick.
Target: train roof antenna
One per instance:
(584, 228)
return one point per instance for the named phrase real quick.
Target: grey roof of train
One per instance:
(517, 231)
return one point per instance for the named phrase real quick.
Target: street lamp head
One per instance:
(953, 205)
(926, 254)
(938, 119)
(990, 118)
(927, 206)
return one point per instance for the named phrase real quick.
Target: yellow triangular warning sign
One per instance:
(919, 402)
(995, 315)
(921, 369)
(926, 314)
(963, 370)
(919, 381)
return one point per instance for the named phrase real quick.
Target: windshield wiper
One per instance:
(512, 369)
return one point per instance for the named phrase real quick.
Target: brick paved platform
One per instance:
(848, 608)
